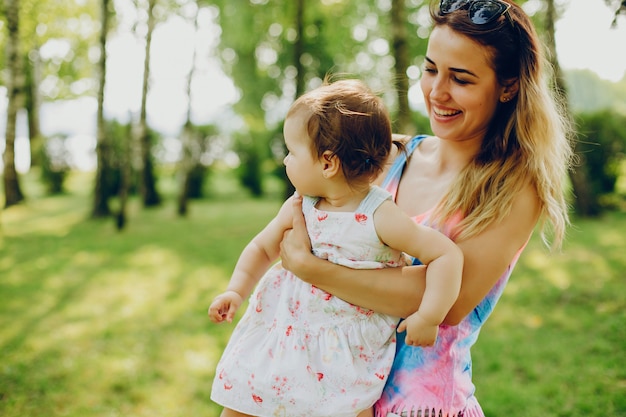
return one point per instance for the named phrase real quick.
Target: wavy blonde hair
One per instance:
(529, 137)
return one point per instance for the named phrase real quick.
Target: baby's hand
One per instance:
(224, 307)
(419, 332)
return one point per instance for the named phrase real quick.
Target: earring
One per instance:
(505, 99)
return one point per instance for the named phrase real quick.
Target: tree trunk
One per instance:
(147, 181)
(101, 189)
(15, 84)
(621, 9)
(125, 173)
(186, 164)
(33, 106)
(401, 56)
(187, 160)
(585, 202)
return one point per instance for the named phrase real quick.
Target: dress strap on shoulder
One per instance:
(411, 145)
(308, 203)
(395, 171)
(373, 199)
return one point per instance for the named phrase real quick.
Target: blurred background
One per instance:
(142, 148)
(202, 83)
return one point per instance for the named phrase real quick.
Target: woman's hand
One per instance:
(295, 248)
(394, 291)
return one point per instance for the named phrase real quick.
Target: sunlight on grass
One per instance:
(556, 341)
(613, 238)
(100, 323)
(24, 219)
(539, 260)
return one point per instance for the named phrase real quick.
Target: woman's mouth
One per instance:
(445, 113)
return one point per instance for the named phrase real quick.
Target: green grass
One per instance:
(556, 344)
(98, 323)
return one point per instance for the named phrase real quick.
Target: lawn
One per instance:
(96, 322)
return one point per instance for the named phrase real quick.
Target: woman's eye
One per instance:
(460, 81)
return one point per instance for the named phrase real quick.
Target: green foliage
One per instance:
(602, 137)
(59, 36)
(99, 323)
(422, 123)
(588, 93)
(263, 67)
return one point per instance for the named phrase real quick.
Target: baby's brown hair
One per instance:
(352, 122)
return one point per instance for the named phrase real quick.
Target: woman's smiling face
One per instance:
(460, 87)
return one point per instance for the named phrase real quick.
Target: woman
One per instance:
(494, 169)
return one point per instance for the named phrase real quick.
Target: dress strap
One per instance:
(308, 203)
(373, 199)
(395, 172)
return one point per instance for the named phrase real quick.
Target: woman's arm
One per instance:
(398, 291)
(394, 291)
(488, 254)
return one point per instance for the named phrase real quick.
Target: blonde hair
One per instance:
(529, 137)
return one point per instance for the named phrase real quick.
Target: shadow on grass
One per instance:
(94, 322)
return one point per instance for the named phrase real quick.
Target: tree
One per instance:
(15, 84)
(298, 51)
(400, 52)
(189, 140)
(103, 147)
(296, 44)
(147, 183)
(33, 104)
(124, 169)
(55, 41)
(579, 174)
(621, 8)
(603, 142)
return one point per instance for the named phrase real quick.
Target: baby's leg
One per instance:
(367, 413)
(227, 412)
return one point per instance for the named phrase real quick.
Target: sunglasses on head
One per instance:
(480, 12)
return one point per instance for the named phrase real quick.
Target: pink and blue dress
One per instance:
(437, 381)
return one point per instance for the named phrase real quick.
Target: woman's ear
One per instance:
(510, 90)
(330, 164)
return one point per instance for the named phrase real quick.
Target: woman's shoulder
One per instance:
(399, 155)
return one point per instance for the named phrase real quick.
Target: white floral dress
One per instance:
(299, 351)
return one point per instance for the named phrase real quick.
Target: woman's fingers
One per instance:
(295, 241)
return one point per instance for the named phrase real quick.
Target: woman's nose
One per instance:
(438, 89)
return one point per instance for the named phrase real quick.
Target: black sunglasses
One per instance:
(480, 12)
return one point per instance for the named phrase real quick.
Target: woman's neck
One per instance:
(450, 157)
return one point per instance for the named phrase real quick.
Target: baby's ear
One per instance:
(330, 164)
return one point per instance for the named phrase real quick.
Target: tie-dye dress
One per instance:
(436, 381)
(301, 352)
